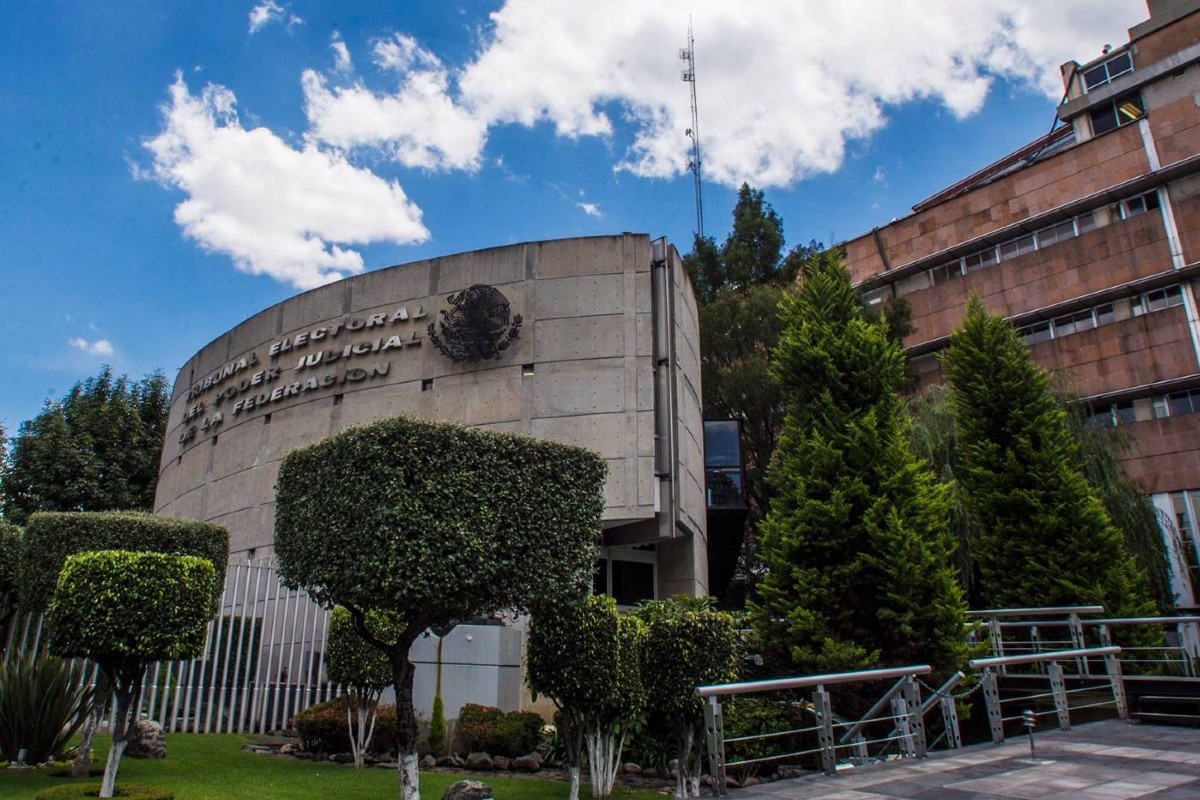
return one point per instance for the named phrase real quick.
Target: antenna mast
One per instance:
(688, 55)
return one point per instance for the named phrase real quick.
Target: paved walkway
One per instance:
(1110, 760)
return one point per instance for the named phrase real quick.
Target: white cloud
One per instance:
(782, 86)
(270, 11)
(880, 174)
(591, 209)
(341, 54)
(100, 347)
(263, 13)
(274, 209)
(418, 124)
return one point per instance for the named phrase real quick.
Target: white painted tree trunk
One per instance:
(410, 784)
(573, 792)
(83, 754)
(604, 759)
(360, 739)
(110, 768)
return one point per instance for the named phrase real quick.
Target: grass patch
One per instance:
(213, 767)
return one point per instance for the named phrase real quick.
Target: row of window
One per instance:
(1020, 245)
(1122, 111)
(1099, 315)
(1175, 404)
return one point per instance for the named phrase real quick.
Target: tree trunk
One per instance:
(406, 721)
(100, 701)
(604, 756)
(120, 732)
(682, 787)
(365, 701)
(573, 792)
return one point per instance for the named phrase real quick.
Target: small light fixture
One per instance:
(526, 370)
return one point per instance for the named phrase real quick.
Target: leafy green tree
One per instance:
(364, 669)
(53, 537)
(435, 523)
(687, 645)
(96, 449)
(125, 610)
(1045, 537)
(587, 658)
(859, 562)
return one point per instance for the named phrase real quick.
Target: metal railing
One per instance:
(991, 668)
(1019, 631)
(898, 715)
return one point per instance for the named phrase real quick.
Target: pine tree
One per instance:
(1044, 538)
(859, 563)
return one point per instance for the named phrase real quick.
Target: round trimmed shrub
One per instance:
(117, 607)
(129, 791)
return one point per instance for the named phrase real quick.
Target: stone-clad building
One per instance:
(592, 341)
(1088, 240)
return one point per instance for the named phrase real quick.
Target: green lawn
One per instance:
(214, 767)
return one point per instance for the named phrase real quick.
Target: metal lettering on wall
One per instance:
(237, 390)
(477, 327)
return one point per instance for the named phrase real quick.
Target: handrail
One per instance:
(1032, 658)
(1016, 612)
(747, 687)
(1138, 620)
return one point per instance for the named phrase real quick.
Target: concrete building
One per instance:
(591, 341)
(1088, 240)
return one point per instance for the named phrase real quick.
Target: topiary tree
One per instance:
(859, 561)
(52, 537)
(1045, 538)
(11, 542)
(124, 610)
(587, 658)
(688, 644)
(363, 668)
(435, 523)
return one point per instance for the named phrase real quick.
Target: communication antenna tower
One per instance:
(688, 55)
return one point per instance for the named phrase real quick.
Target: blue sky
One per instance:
(168, 169)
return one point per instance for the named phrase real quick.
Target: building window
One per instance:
(980, 260)
(1101, 74)
(627, 574)
(1156, 301)
(1053, 234)
(1018, 247)
(1037, 332)
(1073, 323)
(1122, 111)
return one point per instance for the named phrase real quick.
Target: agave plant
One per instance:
(43, 701)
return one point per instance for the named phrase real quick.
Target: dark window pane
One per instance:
(632, 581)
(1104, 119)
(724, 488)
(1096, 76)
(1180, 404)
(721, 445)
(600, 577)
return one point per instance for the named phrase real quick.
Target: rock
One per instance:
(674, 773)
(147, 740)
(525, 764)
(731, 783)
(468, 790)
(746, 784)
(303, 755)
(632, 769)
(706, 780)
(479, 761)
(500, 763)
(649, 772)
(450, 761)
(342, 758)
(673, 764)
(288, 749)
(428, 762)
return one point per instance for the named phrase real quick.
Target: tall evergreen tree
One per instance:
(859, 563)
(96, 449)
(1045, 538)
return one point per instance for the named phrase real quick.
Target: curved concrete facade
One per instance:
(606, 356)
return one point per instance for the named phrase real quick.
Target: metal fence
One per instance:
(263, 660)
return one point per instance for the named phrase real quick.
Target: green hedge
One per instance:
(117, 606)
(129, 791)
(11, 543)
(437, 521)
(488, 729)
(51, 537)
